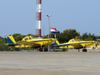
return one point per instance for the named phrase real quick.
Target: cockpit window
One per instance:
(26, 38)
(30, 37)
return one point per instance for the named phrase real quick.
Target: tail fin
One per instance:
(11, 40)
(56, 43)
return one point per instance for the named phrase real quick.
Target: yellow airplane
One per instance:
(41, 43)
(75, 44)
(29, 41)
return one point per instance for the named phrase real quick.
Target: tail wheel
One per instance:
(84, 50)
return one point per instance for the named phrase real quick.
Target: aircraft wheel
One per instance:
(45, 49)
(84, 50)
(64, 50)
(17, 49)
(40, 49)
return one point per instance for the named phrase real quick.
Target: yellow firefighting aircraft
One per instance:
(29, 41)
(75, 44)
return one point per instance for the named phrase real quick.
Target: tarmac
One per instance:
(71, 62)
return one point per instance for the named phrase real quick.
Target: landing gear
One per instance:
(43, 49)
(84, 50)
(40, 49)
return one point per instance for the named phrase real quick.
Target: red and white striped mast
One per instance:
(39, 17)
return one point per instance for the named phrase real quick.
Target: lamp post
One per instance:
(48, 17)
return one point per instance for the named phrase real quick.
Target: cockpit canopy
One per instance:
(27, 38)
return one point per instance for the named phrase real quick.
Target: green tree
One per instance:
(97, 37)
(3, 44)
(67, 34)
(88, 36)
(18, 37)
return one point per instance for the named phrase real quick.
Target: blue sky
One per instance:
(19, 16)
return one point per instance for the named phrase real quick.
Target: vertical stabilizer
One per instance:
(11, 40)
(56, 43)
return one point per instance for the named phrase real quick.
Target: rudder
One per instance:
(11, 40)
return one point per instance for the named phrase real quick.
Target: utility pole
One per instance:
(48, 17)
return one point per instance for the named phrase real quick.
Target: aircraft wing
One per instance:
(74, 43)
(39, 42)
(87, 42)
